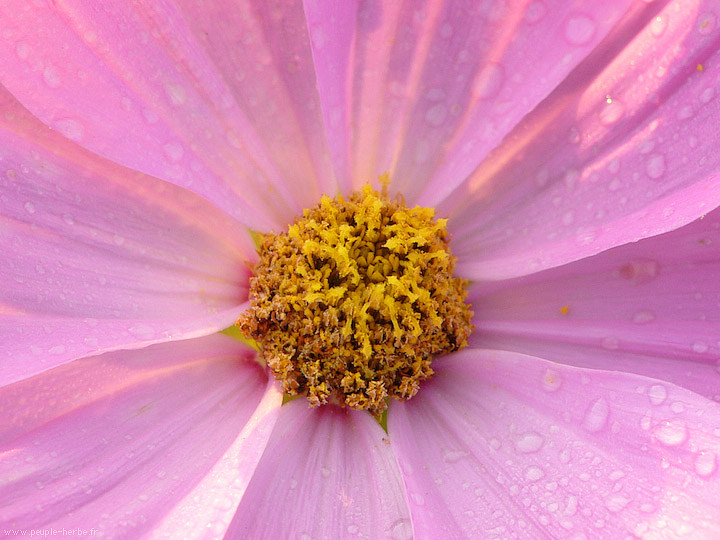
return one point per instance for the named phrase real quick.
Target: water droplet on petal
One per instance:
(418, 499)
(700, 347)
(453, 456)
(174, 151)
(51, 77)
(671, 432)
(533, 474)
(29, 207)
(655, 166)
(22, 49)
(579, 29)
(705, 463)
(612, 112)
(658, 26)
(657, 394)
(596, 416)
(535, 12)
(529, 443)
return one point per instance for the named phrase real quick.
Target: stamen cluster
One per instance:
(351, 304)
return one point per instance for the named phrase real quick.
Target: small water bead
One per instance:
(533, 474)
(657, 394)
(579, 29)
(705, 463)
(655, 166)
(671, 432)
(596, 415)
(529, 443)
(51, 77)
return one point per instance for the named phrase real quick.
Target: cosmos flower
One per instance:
(572, 147)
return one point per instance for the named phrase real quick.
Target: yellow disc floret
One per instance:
(351, 304)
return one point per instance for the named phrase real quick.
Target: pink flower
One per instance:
(573, 146)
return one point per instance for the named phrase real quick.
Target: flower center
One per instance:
(351, 304)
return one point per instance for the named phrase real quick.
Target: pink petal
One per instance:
(114, 442)
(649, 308)
(426, 90)
(327, 473)
(504, 445)
(96, 256)
(622, 150)
(217, 97)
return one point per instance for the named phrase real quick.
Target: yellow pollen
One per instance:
(565, 310)
(351, 304)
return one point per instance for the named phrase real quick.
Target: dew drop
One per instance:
(533, 474)
(173, 150)
(579, 29)
(657, 394)
(596, 416)
(707, 94)
(655, 166)
(612, 112)
(51, 77)
(418, 499)
(72, 129)
(325, 472)
(453, 456)
(68, 219)
(29, 207)
(671, 432)
(22, 49)
(529, 443)
(535, 12)
(118, 240)
(705, 463)
(352, 529)
(658, 26)
(700, 347)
